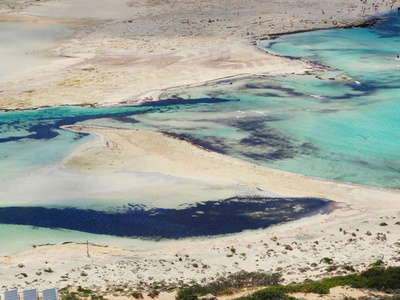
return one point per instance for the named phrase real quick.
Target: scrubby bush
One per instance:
(70, 296)
(153, 294)
(137, 295)
(270, 295)
(378, 263)
(326, 260)
(374, 278)
(383, 279)
(229, 284)
(189, 297)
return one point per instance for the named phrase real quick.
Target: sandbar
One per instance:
(135, 53)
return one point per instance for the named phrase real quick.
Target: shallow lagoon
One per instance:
(339, 129)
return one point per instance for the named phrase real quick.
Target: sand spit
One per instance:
(356, 234)
(359, 232)
(148, 151)
(133, 54)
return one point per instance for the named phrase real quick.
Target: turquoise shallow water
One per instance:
(342, 124)
(323, 125)
(340, 129)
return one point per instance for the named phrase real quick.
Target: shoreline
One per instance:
(96, 78)
(370, 21)
(264, 250)
(137, 56)
(122, 142)
(156, 95)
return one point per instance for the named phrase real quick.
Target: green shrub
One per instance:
(326, 260)
(383, 279)
(190, 292)
(154, 293)
(70, 296)
(267, 295)
(396, 297)
(137, 295)
(378, 263)
(96, 297)
(84, 291)
(331, 268)
(229, 284)
(374, 278)
(188, 297)
(270, 295)
(309, 287)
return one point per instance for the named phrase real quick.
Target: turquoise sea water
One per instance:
(340, 124)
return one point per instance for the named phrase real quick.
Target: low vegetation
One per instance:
(377, 278)
(229, 284)
(268, 294)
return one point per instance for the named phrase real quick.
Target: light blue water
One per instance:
(342, 124)
(339, 129)
(321, 124)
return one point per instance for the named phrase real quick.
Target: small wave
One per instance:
(317, 96)
(259, 112)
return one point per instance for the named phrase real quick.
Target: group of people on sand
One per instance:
(376, 5)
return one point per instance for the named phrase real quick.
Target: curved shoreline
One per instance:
(113, 62)
(131, 69)
(155, 95)
(148, 145)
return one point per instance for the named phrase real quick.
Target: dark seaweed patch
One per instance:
(263, 85)
(265, 143)
(125, 119)
(262, 144)
(202, 219)
(267, 95)
(45, 123)
(216, 144)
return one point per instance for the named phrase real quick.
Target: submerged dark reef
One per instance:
(209, 218)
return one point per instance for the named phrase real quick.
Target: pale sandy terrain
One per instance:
(202, 261)
(134, 50)
(148, 151)
(352, 234)
(125, 51)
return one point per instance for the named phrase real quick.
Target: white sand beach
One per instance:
(136, 49)
(352, 234)
(130, 51)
